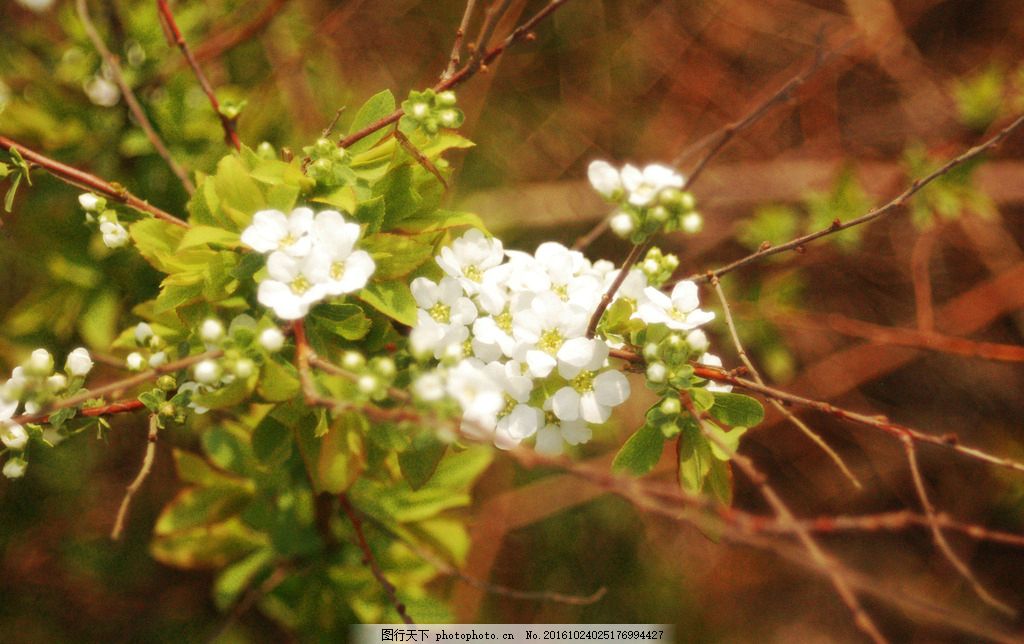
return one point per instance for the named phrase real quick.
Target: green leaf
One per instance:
(401, 199)
(737, 410)
(278, 381)
(207, 546)
(228, 447)
(398, 255)
(238, 577)
(694, 457)
(238, 193)
(209, 236)
(420, 461)
(157, 241)
(440, 220)
(393, 299)
(379, 106)
(336, 459)
(641, 452)
(347, 321)
(201, 506)
(272, 442)
(719, 482)
(195, 470)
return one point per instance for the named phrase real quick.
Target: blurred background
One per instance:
(913, 83)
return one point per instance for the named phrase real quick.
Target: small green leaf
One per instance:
(737, 410)
(347, 321)
(379, 106)
(157, 241)
(278, 381)
(207, 546)
(201, 506)
(641, 452)
(694, 457)
(272, 442)
(393, 299)
(238, 577)
(398, 255)
(209, 236)
(419, 462)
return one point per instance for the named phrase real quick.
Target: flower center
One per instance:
(584, 382)
(550, 341)
(288, 240)
(473, 273)
(300, 285)
(676, 314)
(504, 320)
(510, 404)
(440, 312)
(337, 270)
(562, 291)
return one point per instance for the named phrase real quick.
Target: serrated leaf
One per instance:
(393, 299)
(377, 107)
(347, 321)
(157, 241)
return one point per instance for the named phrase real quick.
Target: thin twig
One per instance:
(940, 539)
(119, 385)
(807, 431)
(920, 270)
(492, 17)
(371, 561)
(174, 37)
(896, 203)
(460, 34)
(607, 296)
(334, 121)
(129, 96)
(140, 478)
(86, 181)
(421, 158)
(463, 74)
(821, 559)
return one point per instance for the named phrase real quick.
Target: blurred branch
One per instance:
(807, 431)
(894, 204)
(940, 539)
(86, 181)
(129, 96)
(460, 34)
(821, 559)
(218, 44)
(920, 265)
(174, 37)
(902, 337)
(147, 465)
(521, 32)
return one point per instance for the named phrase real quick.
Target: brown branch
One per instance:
(460, 34)
(371, 561)
(822, 560)
(415, 153)
(807, 431)
(147, 465)
(606, 298)
(465, 73)
(129, 96)
(900, 521)
(119, 385)
(174, 37)
(86, 181)
(723, 136)
(902, 337)
(896, 203)
(920, 261)
(940, 539)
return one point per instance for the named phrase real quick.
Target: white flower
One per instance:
(13, 435)
(292, 286)
(207, 372)
(480, 398)
(697, 340)
(15, 468)
(543, 327)
(644, 187)
(89, 201)
(552, 437)
(714, 361)
(272, 339)
(605, 179)
(79, 363)
(429, 387)
(135, 361)
(114, 234)
(517, 419)
(469, 256)
(338, 275)
(211, 330)
(40, 363)
(590, 396)
(36, 5)
(622, 224)
(272, 230)
(679, 311)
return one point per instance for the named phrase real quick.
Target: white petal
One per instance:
(577, 353)
(282, 267)
(425, 292)
(358, 268)
(268, 227)
(576, 432)
(524, 421)
(566, 403)
(611, 388)
(685, 297)
(593, 411)
(540, 363)
(549, 441)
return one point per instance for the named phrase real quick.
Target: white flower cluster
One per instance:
(312, 257)
(34, 383)
(509, 330)
(114, 234)
(648, 199)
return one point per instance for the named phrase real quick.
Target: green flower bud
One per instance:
(446, 98)
(670, 406)
(353, 360)
(167, 383)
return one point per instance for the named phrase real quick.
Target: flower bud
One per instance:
(40, 363)
(670, 406)
(211, 331)
(419, 111)
(353, 360)
(385, 367)
(266, 151)
(367, 384)
(692, 223)
(15, 468)
(446, 98)
(697, 340)
(272, 339)
(79, 363)
(244, 368)
(449, 118)
(659, 214)
(135, 361)
(206, 372)
(143, 332)
(622, 224)
(13, 436)
(158, 359)
(650, 266)
(167, 383)
(429, 387)
(650, 351)
(656, 372)
(57, 382)
(89, 201)
(167, 410)
(324, 147)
